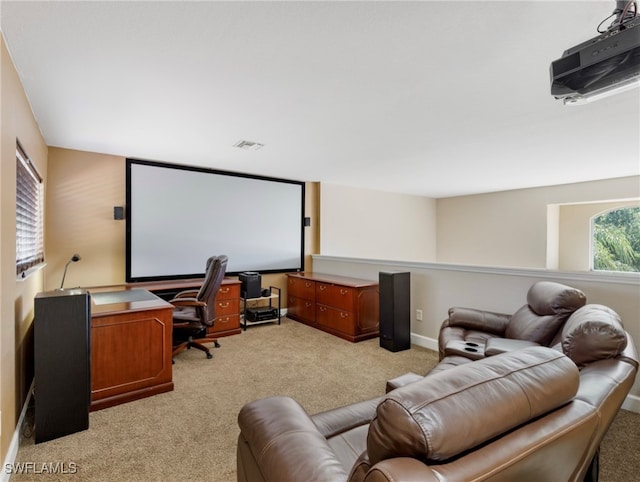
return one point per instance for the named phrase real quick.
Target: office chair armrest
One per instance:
(187, 294)
(187, 302)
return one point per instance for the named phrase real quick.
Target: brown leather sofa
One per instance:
(528, 414)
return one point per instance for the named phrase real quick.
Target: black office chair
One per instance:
(195, 311)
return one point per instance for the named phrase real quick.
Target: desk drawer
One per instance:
(227, 307)
(224, 324)
(228, 291)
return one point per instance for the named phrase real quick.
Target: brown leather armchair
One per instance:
(530, 414)
(473, 334)
(195, 309)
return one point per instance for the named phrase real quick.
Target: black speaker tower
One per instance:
(395, 305)
(62, 325)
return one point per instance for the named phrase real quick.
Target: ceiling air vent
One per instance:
(248, 145)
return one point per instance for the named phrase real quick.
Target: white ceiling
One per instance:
(431, 98)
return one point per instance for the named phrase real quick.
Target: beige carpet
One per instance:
(190, 433)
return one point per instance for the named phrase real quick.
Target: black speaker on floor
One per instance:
(395, 305)
(62, 330)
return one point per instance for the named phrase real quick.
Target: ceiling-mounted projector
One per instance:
(604, 65)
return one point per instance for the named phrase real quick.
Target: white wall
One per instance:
(374, 224)
(510, 228)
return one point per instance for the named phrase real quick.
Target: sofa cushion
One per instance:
(454, 410)
(594, 332)
(548, 306)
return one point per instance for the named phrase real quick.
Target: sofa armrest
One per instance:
(495, 346)
(342, 419)
(286, 444)
(402, 380)
(480, 320)
(401, 468)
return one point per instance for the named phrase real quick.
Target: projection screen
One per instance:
(178, 216)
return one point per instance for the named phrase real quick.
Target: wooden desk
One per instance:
(131, 332)
(227, 301)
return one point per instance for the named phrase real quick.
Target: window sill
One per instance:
(25, 275)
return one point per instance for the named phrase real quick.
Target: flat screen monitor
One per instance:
(178, 216)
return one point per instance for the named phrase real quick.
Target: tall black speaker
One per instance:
(395, 305)
(62, 330)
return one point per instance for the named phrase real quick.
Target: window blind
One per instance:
(29, 214)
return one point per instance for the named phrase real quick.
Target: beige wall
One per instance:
(574, 246)
(83, 189)
(16, 297)
(510, 228)
(375, 224)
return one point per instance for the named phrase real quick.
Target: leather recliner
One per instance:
(529, 414)
(473, 334)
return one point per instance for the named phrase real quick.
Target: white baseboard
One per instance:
(424, 341)
(631, 403)
(15, 440)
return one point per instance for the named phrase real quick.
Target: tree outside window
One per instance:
(616, 240)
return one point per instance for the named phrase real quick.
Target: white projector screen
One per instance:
(179, 216)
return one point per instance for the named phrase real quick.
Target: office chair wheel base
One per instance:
(209, 356)
(216, 344)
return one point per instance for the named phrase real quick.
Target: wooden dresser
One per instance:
(343, 306)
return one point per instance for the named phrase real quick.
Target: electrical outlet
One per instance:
(419, 315)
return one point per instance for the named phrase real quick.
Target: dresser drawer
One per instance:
(335, 296)
(301, 288)
(338, 320)
(302, 309)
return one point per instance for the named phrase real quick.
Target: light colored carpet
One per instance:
(191, 433)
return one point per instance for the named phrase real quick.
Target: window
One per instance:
(616, 240)
(29, 219)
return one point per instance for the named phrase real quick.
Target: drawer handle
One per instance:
(224, 304)
(307, 304)
(224, 291)
(308, 284)
(322, 308)
(322, 287)
(343, 291)
(344, 315)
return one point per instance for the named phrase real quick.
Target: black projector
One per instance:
(261, 313)
(606, 62)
